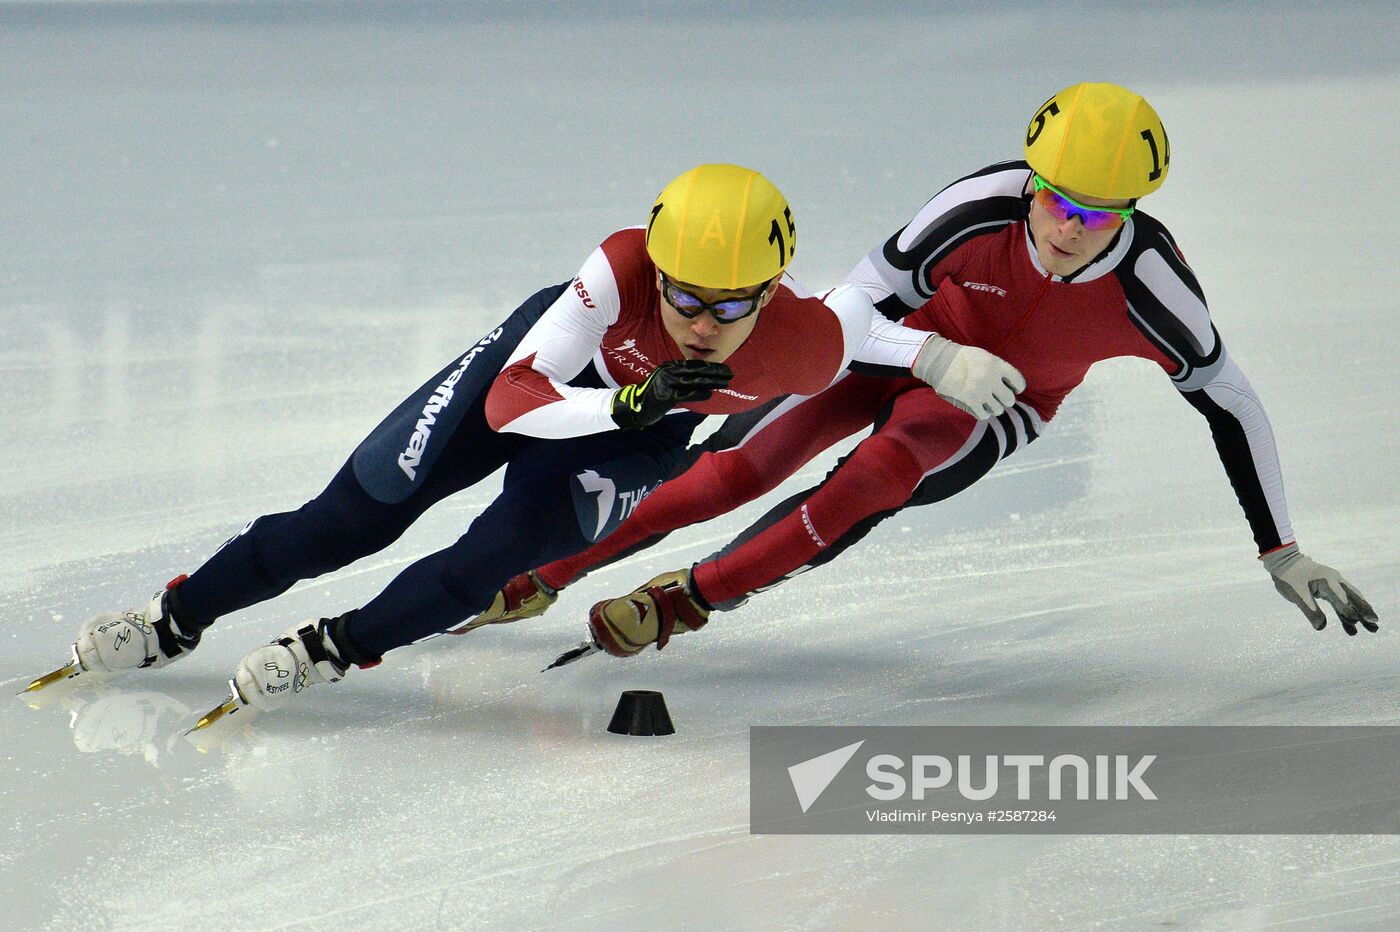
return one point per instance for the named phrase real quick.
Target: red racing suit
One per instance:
(965, 267)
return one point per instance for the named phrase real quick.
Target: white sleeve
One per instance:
(1167, 305)
(854, 310)
(872, 280)
(884, 343)
(536, 399)
(895, 274)
(1244, 439)
(891, 344)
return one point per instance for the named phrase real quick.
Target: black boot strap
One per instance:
(170, 637)
(316, 652)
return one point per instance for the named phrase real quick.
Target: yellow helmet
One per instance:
(1101, 140)
(721, 226)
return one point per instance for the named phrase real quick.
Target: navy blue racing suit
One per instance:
(560, 496)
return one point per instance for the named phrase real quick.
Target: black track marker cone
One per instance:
(641, 712)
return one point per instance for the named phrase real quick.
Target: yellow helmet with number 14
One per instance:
(1101, 140)
(721, 226)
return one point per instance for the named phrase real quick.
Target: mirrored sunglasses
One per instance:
(1062, 207)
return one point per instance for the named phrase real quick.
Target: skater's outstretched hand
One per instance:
(1304, 581)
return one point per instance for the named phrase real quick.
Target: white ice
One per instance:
(232, 237)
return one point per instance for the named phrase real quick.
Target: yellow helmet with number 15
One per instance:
(1101, 140)
(721, 226)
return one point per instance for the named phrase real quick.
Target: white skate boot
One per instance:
(265, 679)
(116, 641)
(302, 657)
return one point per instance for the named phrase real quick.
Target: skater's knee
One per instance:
(345, 536)
(738, 477)
(886, 470)
(333, 530)
(513, 535)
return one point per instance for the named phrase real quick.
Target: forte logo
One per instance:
(979, 777)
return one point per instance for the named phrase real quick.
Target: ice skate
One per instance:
(650, 614)
(524, 596)
(265, 679)
(116, 641)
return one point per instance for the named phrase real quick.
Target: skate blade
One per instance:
(472, 626)
(230, 706)
(481, 622)
(225, 732)
(569, 656)
(44, 690)
(67, 671)
(214, 714)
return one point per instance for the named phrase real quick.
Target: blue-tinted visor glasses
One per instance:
(726, 312)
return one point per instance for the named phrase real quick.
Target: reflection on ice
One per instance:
(138, 724)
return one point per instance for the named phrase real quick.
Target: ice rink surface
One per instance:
(233, 236)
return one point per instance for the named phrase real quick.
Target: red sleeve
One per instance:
(532, 394)
(518, 388)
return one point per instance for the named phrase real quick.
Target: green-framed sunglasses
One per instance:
(1061, 206)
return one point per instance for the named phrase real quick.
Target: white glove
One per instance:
(968, 377)
(1303, 581)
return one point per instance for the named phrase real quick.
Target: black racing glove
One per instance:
(673, 382)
